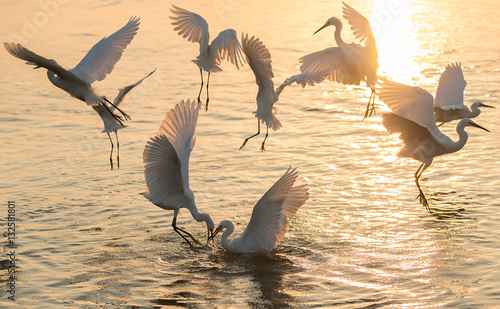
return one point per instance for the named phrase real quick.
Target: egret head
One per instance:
(210, 224)
(471, 123)
(225, 224)
(332, 21)
(480, 104)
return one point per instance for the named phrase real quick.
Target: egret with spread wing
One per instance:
(449, 103)
(269, 221)
(413, 119)
(95, 66)
(225, 46)
(259, 59)
(111, 124)
(166, 166)
(348, 64)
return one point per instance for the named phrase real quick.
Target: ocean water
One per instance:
(86, 238)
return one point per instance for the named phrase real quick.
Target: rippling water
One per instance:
(87, 238)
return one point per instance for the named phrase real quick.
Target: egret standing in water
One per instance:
(449, 103)
(166, 166)
(95, 66)
(225, 46)
(259, 59)
(269, 221)
(348, 64)
(111, 124)
(413, 119)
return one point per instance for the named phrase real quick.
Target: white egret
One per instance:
(269, 220)
(224, 47)
(166, 166)
(111, 124)
(99, 62)
(413, 118)
(449, 103)
(259, 59)
(348, 64)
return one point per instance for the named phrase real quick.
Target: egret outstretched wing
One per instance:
(179, 126)
(102, 57)
(227, 47)
(450, 91)
(264, 226)
(359, 25)
(123, 92)
(162, 169)
(21, 52)
(295, 198)
(332, 64)
(259, 59)
(191, 26)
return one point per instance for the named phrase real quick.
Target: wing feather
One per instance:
(123, 92)
(102, 57)
(162, 169)
(295, 198)
(179, 126)
(227, 47)
(21, 52)
(332, 64)
(450, 91)
(191, 26)
(264, 225)
(359, 25)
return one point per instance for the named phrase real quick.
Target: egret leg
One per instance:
(206, 104)
(258, 132)
(117, 149)
(118, 118)
(421, 195)
(127, 116)
(370, 109)
(179, 231)
(111, 154)
(201, 87)
(262, 148)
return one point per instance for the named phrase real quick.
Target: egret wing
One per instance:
(295, 198)
(21, 52)
(123, 92)
(191, 26)
(162, 169)
(259, 59)
(413, 103)
(102, 57)
(227, 47)
(450, 91)
(264, 225)
(179, 126)
(332, 64)
(359, 25)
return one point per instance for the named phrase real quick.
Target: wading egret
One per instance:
(413, 118)
(224, 47)
(449, 103)
(259, 59)
(99, 62)
(269, 220)
(348, 64)
(166, 166)
(111, 124)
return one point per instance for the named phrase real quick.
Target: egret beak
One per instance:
(324, 26)
(484, 105)
(211, 237)
(478, 126)
(210, 232)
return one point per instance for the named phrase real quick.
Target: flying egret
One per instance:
(99, 62)
(111, 124)
(259, 59)
(449, 103)
(413, 118)
(348, 64)
(269, 220)
(166, 166)
(224, 47)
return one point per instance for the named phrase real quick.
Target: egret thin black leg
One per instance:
(201, 87)
(258, 132)
(421, 195)
(262, 148)
(208, 81)
(127, 116)
(111, 154)
(117, 149)
(118, 118)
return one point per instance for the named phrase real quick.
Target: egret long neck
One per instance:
(338, 38)
(463, 136)
(228, 231)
